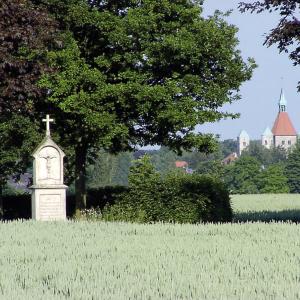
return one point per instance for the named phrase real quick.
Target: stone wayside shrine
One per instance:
(48, 198)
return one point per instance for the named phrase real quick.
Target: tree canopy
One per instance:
(26, 32)
(138, 73)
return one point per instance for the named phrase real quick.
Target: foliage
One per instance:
(18, 137)
(273, 180)
(264, 155)
(177, 197)
(107, 169)
(211, 166)
(271, 162)
(18, 205)
(241, 176)
(26, 32)
(292, 169)
(141, 73)
(228, 146)
(258, 170)
(91, 214)
(286, 33)
(164, 160)
(97, 260)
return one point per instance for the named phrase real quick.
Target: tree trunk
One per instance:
(80, 176)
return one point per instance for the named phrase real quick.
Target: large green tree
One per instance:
(140, 73)
(273, 180)
(241, 177)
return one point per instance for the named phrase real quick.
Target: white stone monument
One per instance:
(48, 200)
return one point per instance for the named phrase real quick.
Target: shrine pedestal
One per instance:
(49, 203)
(48, 199)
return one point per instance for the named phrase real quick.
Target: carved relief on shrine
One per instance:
(48, 165)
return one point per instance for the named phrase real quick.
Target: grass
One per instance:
(266, 208)
(97, 260)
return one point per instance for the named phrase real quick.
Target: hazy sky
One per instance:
(260, 95)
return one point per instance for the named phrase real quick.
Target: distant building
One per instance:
(184, 165)
(230, 158)
(243, 141)
(181, 164)
(283, 133)
(267, 138)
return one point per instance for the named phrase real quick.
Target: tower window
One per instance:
(290, 142)
(282, 108)
(266, 142)
(244, 144)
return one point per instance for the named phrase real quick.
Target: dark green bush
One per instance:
(19, 206)
(179, 197)
(16, 207)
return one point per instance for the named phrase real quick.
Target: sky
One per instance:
(259, 103)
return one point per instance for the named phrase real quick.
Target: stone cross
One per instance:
(48, 120)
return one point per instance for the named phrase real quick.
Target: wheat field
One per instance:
(98, 260)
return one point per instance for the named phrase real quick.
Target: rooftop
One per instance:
(283, 125)
(267, 132)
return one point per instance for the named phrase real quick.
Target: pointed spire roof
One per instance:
(244, 134)
(267, 132)
(282, 100)
(283, 125)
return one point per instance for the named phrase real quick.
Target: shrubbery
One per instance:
(178, 197)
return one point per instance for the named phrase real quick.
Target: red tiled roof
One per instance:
(181, 164)
(283, 125)
(230, 158)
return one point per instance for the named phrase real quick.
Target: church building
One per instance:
(283, 133)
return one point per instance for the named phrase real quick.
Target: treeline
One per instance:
(258, 170)
(261, 170)
(106, 169)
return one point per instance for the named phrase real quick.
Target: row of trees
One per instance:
(260, 170)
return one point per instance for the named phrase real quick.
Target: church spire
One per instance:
(282, 102)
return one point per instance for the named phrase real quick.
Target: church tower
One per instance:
(284, 133)
(267, 138)
(243, 141)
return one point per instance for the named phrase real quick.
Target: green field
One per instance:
(96, 260)
(267, 207)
